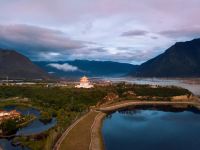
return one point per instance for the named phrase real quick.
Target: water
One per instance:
(152, 129)
(6, 145)
(33, 128)
(189, 84)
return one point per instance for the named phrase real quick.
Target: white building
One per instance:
(84, 83)
(5, 115)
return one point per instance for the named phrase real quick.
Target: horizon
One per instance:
(107, 30)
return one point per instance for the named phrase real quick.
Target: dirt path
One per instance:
(78, 135)
(96, 138)
(57, 145)
(84, 134)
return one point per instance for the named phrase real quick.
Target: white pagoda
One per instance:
(84, 83)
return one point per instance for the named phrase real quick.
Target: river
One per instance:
(192, 85)
(33, 128)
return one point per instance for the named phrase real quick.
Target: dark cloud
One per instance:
(154, 37)
(181, 33)
(32, 41)
(91, 28)
(135, 33)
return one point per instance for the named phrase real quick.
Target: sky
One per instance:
(129, 31)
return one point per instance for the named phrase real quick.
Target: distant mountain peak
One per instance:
(16, 66)
(180, 60)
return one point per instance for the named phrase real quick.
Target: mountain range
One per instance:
(16, 66)
(77, 68)
(180, 60)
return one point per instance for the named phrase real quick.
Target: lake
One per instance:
(153, 129)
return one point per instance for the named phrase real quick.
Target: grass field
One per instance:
(79, 137)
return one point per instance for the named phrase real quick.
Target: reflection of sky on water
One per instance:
(33, 128)
(23, 110)
(152, 129)
(36, 127)
(6, 145)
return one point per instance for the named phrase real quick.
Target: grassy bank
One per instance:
(79, 137)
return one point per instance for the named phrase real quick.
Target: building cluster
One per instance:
(5, 115)
(84, 83)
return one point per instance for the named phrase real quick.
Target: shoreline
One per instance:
(97, 137)
(96, 142)
(124, 104)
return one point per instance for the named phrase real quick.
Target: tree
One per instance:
(9, 127)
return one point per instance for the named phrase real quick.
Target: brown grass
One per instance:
(79, 137)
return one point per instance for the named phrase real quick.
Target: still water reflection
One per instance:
(33, 128)
(152, 129)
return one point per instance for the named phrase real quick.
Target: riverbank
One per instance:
(32, 118)
(96, 136)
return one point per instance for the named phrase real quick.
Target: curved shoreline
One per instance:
(96, 142)
(125, 104)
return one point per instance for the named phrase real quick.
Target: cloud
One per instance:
(181, 33)
(135, 33)
(32, 40)
(64, 67)
(49, 55)
(46, 44)
(96, 29)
